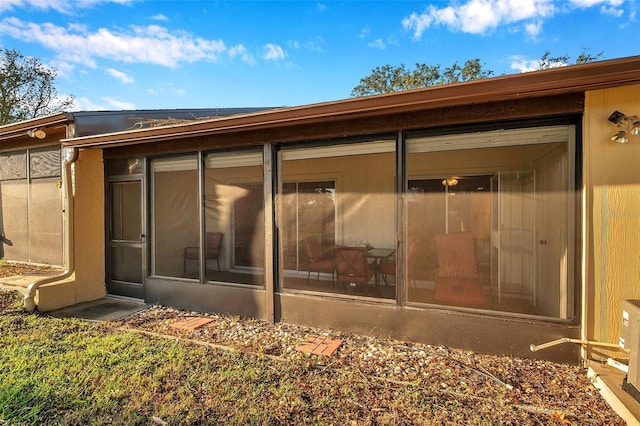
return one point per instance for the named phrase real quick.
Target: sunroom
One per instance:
(507, 197)
(480, 220)
(453, 215)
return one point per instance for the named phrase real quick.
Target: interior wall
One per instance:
(15, 220)
(175, 219)
(222, 190)
(528, 268)
(612, 214)
(30, 206)
(365, 192)
(45, 228)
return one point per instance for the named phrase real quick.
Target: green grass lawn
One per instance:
(70, 372)
(62, 371)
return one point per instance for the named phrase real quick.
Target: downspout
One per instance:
(70, 156)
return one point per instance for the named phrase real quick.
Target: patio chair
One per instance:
(352, 266)
(457, 282)
(387, 267)
(317, 261)
(212, 242)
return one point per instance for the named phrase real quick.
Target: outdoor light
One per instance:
(36, 134)
(629, 124)
(451, 181)
(620, 137)
(635, 125)
(618, 118)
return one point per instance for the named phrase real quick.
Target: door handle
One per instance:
(142, 238)
(543, 242)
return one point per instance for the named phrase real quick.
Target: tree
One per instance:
(27, 88)
(547, 61)
(386, 79)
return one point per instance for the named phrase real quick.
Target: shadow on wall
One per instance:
(3, 237)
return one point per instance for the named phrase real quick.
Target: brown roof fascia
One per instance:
(19, 129)
(569, 79)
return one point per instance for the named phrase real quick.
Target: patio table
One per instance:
(378, 254)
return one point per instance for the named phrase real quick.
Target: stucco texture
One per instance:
(88, 279)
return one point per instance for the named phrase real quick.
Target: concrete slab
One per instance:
(105, 309)
(19, 282)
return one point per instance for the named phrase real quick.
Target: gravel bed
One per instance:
(557, 391)
(545, 392)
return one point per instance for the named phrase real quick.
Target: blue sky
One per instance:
(147, 54)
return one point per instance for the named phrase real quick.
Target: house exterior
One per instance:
(492, 214)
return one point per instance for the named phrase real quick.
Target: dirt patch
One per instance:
(9, 269)
(542, 392)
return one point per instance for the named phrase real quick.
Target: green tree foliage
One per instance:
(27, 88)
(547, 61)
(386, 79)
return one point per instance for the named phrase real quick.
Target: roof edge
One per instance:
(12, 130)
(569, 79)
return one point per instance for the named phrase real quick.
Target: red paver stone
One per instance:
(319, 345)
(191, 323)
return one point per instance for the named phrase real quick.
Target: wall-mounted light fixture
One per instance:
(450, 181)
(37, 133)
(628, 124)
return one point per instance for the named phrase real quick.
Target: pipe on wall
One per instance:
(70, 156)
(583, 342)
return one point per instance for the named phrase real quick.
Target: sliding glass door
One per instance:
(336, 218)
(489, 220)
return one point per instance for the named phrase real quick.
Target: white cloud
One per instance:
(378, 44)
(151, 44)
(105, 103)
(240, 50)
(62, 6)
(522, 64)
(364, 33)
(314, 45)
(591, 3)
(160, 17)
(273, 52)
(123, 77)
(612, 11)
(85, 104)
(533, 29)
(483, 16)
(114, 103)
(607, 7)
(479, 16)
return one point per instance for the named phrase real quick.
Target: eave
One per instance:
(557, 81)
(19, 129)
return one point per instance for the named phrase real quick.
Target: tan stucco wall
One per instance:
(612, 214)
(89, 226)
(88, 280)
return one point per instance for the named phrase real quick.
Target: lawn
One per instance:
(70, 372)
